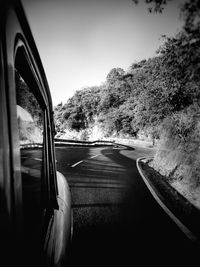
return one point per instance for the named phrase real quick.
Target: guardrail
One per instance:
(31, 145)
(60, 141)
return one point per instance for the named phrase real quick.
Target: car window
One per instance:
(30, 116)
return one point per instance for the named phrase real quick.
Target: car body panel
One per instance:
(60, 227)
(15, 38)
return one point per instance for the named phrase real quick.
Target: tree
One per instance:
(156, 5)
(114, 76)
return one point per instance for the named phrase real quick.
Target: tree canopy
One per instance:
(149, 92)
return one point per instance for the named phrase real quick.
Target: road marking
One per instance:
(94, 156)
(37, 159)
(79, 162)
(74, 165)
(183, 228)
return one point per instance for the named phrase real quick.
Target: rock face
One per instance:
(179, 162)
(96, 133)
(178, 154)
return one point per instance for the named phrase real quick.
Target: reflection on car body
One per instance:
(35, 202)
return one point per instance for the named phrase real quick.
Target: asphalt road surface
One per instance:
(116, 219)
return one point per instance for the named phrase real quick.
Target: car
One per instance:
(36, 222)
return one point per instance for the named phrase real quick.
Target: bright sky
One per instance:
(80, 41)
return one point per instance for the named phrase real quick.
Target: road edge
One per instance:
(177, 221)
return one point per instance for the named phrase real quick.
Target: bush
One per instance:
(180, 128)
(84, 135)
(178, 156)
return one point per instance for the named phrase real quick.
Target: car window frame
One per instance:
(15, 39)
(29, 73)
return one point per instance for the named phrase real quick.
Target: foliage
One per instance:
(156, 5)
(79, 110)
(149, 92)
(181, 126)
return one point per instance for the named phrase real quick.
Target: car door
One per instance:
(36, 206)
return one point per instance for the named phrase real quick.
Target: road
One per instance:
(116, 219)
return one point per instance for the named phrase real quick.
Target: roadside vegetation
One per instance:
(157, 97)
(29, 114)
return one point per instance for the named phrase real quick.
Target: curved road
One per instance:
(116, 219)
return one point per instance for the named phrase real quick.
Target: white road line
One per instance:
(37, 159)
(184, 229)
(94, 156)
(74, 165)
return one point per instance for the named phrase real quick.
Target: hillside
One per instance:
(158, 98)
(117, 107)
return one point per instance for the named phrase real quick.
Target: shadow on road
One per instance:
(132, 232)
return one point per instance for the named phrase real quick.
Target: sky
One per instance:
(80, 41)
